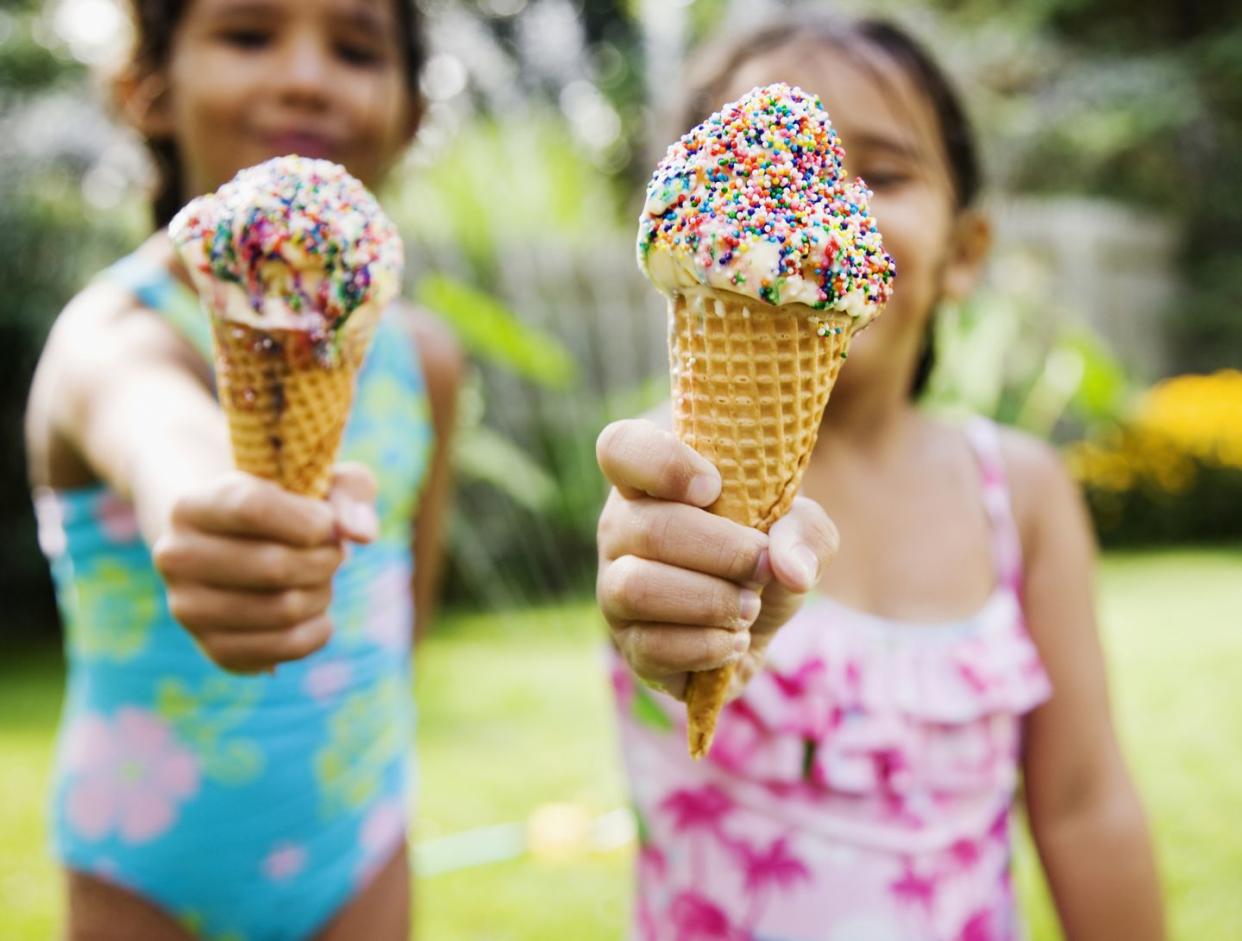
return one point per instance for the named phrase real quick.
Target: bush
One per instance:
(1174, 472)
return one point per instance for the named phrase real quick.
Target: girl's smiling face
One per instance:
(893, 141)
(252, 79)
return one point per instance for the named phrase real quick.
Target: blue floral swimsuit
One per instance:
(249, 808)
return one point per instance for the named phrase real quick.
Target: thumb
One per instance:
(352, 497)
(800, 545)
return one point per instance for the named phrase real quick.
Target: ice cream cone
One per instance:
(286, 407)
(771, 262)
(749, 384)
(294, 262)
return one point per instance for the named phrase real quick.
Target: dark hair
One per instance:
(889, 40)
(155, 26)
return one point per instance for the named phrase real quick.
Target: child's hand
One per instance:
(677, 584)
(249, 566)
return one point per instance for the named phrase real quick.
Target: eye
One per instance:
(884, 179)
(246, 38)
(359, 54)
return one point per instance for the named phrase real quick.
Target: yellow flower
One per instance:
(1202, 415)
(1184, 423)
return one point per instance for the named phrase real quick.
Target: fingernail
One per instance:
(808, 563)
(703, 489)
(749, 605)
(741, 642)
(363, 520)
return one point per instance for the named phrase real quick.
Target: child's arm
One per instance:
(247, 566)
(677, 584)
(1085, 815)
(126, 397)
(442, 365)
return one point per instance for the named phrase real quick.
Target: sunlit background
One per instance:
(1111, 323)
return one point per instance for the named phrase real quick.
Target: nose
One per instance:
(303, 73)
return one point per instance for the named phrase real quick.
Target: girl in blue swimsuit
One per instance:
(235, 739)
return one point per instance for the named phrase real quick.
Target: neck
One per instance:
(870, 417)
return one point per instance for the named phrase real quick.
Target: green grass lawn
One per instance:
(514, 717)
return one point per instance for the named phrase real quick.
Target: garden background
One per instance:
(1110, 324)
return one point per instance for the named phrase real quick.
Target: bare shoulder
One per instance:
(440, 356)
(105, 323)
(102, 336)
(1043, 493)
(106, 320)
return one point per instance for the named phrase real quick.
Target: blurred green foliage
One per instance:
(500, 182)
(1002, 356)
(490, 331)
(25, 64)
(1141, 102)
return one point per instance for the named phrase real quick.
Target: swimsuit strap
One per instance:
(157, 289)
(1006, 542)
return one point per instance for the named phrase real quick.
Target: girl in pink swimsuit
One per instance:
(861, 783)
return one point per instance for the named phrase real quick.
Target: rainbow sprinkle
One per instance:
(754, 201)
(300, 232)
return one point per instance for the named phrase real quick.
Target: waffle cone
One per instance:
(285, 400)
(750, 381)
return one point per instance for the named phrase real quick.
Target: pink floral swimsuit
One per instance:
(860, 789)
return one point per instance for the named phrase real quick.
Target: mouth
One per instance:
(303, 143)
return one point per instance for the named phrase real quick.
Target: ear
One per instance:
(143, 99)
(415, 113)
(971, 242)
